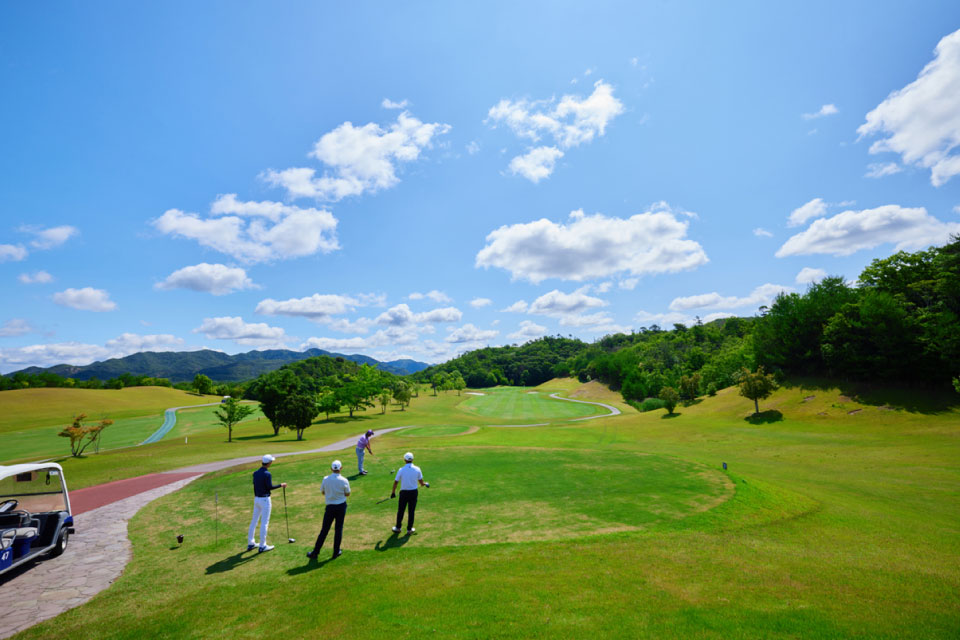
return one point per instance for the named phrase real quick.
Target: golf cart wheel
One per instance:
(61, 543)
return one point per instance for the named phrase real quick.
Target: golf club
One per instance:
(216, 507)
(384, 500)
(285, 517)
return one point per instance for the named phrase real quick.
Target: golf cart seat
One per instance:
(5, 543)
(20, 532)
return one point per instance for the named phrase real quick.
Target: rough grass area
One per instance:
(842, 524)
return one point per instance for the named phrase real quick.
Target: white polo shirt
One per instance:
(409, 476)
(335, 488)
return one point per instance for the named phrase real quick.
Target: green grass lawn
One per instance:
(525, 406)
(836, 519)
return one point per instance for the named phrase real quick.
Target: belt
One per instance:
(266, 496)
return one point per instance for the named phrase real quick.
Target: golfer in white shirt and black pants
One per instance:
(409, 477)
(335, 489)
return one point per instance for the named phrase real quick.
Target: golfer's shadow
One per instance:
(228, 564)
(393, 542)
(312, 565)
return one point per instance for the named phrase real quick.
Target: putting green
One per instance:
(524, 405)
(436, 431)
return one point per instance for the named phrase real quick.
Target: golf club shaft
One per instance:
(285, 517)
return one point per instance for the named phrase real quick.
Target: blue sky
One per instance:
(421, 179)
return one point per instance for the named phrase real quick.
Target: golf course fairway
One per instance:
(834, 519)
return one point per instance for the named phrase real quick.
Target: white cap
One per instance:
(408, 456)
(335, 465)
(267, 459)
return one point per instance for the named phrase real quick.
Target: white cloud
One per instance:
(15, 327)
(816, 208)
(85, 299)
(50, 238)
(478, 303)
(537, 164)
(592, 246)
(343, 325)
(445, 314)
(634, 61)
(473, 147)
(12, 253)
(825, 110)
(390, 104)
(360, 159)
(397, 316)
(809, 275)
(921, 121)
(762, 295)
(437, 296)
(570, 122)
(528, 331)
(37, 277)
(257, 231)
(557, 303)
(628, 284)
(471, 334)
(217, 279)
(253, 334)
(760, 232)
(396, 336)
(335, 344)
(851, 231)
(520, 306)
(881, 169)
(662, 319)
(603, 287)
(317, 307)
(78, 353)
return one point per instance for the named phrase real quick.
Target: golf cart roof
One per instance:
(14, 469)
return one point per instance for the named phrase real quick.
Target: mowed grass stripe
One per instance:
(523, 405)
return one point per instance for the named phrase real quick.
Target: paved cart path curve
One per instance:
(97, 554)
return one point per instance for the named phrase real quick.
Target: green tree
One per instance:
(230, 413)
(328, 402)
(436, 381)
(756, 386)
(82, 436)
(297, 411)
(457, 382)
(670, 398)
(272, 389)
(690, 386)
(402, 394)
(203, 384)
(385, 396)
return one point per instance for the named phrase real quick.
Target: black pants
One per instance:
(408, 498)
(333, 512)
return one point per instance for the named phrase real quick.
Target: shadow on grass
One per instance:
(231, 562)
(765, 417)
(263, 436)
(343, 419)
(905, 395)
(312, 565)
(670, 416)
(395, 541)
(690, 403)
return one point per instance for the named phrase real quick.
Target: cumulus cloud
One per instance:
(444, 314)
(401, 316)
(334, 344)
(851, 231)
(470, 334)
(437, 296)
(762, 295)
(825, 110)
(479, 303)
(593, 246)
(816, 208)
(85, 299)
(557, 303)
(760, 232)
(881, 169)
(396, 336)
(12, 253)
(571, 121)
(257, 334)
(809, 275)
(390, 104)
(666, 319)
(15, 327)
(51, 237)
(78, 353)
(37, 277)
(528, 331)
(473, 147)
(628, 284)
(537, 164)
(359, 159)
(520, 306)
(921, 121)
(217, 279)
(255, 231)
(317, 307)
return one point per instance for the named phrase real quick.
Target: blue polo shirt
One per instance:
(263, 483)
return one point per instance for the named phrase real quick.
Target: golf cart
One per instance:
(34, 513)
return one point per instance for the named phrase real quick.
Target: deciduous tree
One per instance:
(756, 386)
(230, 413)
(81, 435)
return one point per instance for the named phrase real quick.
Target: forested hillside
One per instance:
(899, 323)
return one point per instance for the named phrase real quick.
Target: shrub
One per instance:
(651, 404)
(712, 389)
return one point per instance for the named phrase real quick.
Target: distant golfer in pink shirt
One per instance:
(363, 444)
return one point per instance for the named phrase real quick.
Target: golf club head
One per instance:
(291, 540)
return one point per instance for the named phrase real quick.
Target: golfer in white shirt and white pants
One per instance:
(409, 477)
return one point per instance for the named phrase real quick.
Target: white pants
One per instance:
(261, 511)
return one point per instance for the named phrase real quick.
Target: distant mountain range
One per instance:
(180, 366)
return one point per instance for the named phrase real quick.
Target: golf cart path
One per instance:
(170, 420)
(613, 410)
(99, 551)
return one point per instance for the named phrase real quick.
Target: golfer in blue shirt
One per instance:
(262, 486)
